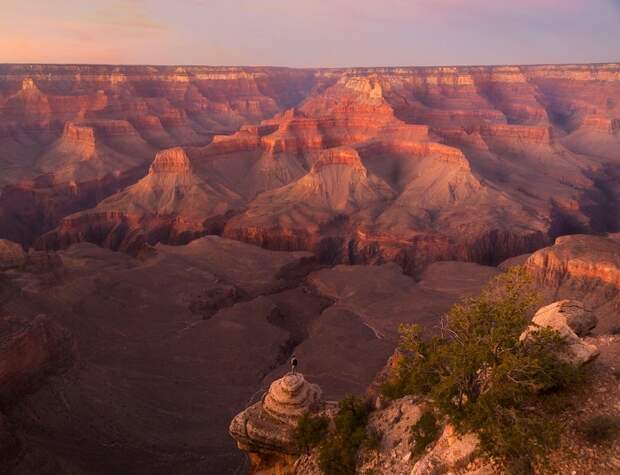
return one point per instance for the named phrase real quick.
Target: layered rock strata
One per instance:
(527, 151)
(265, 430)
(171, 204)
(585, 268)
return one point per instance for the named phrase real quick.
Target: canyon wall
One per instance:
(411, 165)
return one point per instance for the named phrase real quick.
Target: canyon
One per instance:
(359, 166)
(171, 235)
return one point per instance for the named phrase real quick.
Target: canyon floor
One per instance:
(170, 236)
(171, 346)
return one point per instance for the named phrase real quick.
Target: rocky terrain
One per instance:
(261, 212)
(357, 165)
(270, 443)
(170, 345)
(173, 343)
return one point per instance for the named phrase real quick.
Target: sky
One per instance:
(310, 33)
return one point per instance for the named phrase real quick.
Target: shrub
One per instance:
(479, 374)
(373, 440)
(614, 330)
(310, 431)
(338, 452)
(424, 432)
(600, 429)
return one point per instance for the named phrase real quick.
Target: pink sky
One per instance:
(310, 32)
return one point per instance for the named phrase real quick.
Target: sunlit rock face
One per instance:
(170, 203)
(585, 268)
(570, 320)
(411, 165)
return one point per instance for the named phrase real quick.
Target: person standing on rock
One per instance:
(293, 363)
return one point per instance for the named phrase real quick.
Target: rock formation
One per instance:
(171, 204)
(568, 313)
(585, 268)
(29, 351)
(407, 169)
(265, 430)
(89, 150)
(527, 151)
(570, 320)
(450, 453)
(11, 254)
(579, 257)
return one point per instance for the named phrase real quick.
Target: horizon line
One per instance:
(335, 68)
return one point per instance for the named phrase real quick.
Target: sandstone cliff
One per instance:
(585, 268)
(170, 204)
(526, 150)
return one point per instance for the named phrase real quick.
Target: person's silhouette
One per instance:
(293, 364)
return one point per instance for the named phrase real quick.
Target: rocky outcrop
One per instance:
(89, 150)
(524, 150)
(570, 320)
(29, 351)
(569, 313)
(513, 134)
(11, 254)
(170, 204)
(579, 258)
(30, 209)
(585, 268)
(452, 452)
(601, 123)
(174, 161)
(265, 430)
(391, 424)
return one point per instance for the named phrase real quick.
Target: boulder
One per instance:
(451, 452)
(564, 317)
(566, 312)
(392, 425)
(584, 268)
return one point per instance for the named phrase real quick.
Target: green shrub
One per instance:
(424, 432)
(601, 429)
(338, 452)
(310, 431)
(373, 440)
(479, 374)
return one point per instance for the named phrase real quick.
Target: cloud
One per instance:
(124, 15)
(97, 31)
(308, 32)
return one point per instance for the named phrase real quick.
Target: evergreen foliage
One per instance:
(479, 374)
(424, 432)
(310, 431)
(338, 452)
